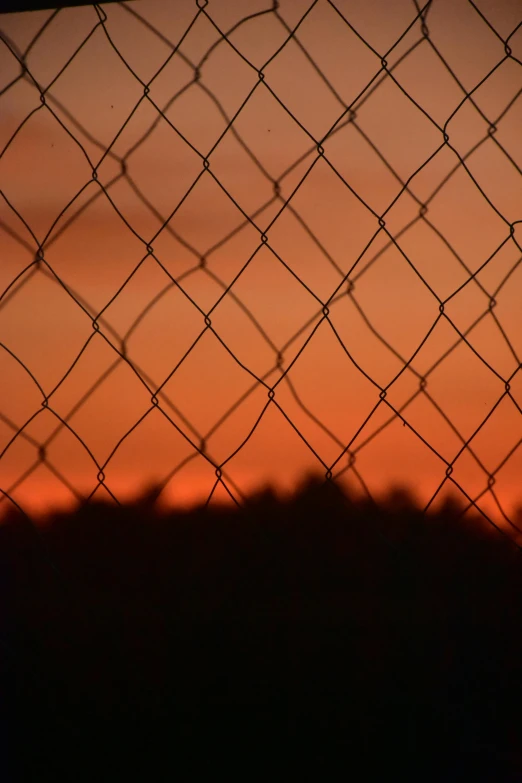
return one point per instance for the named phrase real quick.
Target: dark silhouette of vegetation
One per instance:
(317, 635)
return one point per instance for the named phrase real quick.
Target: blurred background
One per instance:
(242, 241)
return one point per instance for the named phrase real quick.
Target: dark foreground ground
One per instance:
(315, 638)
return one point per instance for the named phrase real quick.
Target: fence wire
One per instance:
(200, 77)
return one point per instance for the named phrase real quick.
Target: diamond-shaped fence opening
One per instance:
(292, 232)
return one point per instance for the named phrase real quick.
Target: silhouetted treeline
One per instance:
(317, 636)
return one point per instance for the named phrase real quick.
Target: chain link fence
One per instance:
(243, 241)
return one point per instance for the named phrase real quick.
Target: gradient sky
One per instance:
(388, 161)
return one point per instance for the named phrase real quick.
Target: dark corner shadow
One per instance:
(315, 634)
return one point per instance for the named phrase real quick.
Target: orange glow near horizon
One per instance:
(115, 258)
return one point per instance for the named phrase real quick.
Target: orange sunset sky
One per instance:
(284, 229)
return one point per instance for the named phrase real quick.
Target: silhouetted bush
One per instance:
(315, 635)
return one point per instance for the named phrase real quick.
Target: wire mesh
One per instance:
(241, 227)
